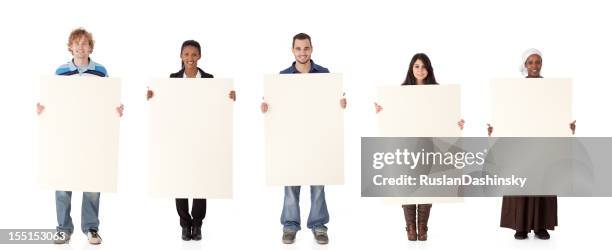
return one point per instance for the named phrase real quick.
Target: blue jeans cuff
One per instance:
(292, 228)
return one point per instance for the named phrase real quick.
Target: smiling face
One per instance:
(190, 56)
(533, 65)
(419, 71)
(302, 50)
(80, 48)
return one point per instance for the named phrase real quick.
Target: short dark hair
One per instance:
(192, 43)
(430, 79)
(301, 36)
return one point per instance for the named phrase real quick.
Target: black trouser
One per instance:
(198, 212)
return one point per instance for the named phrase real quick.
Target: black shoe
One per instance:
(196, 233)
(186, 236)
(520, 235)
(542, 234)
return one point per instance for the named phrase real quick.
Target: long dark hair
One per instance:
(192, 43)
(430, 79)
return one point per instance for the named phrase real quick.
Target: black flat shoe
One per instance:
(520, 235)
(186, 235)
(542, 234)
(196, 233)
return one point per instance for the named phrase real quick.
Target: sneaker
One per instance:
(93, 237)
(321, 237)
(289, 236)
(519, 235)
(61, 238)
(542, 234)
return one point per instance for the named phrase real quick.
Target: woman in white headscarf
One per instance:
(531, 65)
(526, 213)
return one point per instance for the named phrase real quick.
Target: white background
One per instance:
(370, 42)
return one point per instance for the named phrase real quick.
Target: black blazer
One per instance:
(182, 72)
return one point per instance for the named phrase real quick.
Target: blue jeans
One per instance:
(318, 217)
(89, 211)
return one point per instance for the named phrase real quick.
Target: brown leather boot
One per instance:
(410, 216)
(423, 211)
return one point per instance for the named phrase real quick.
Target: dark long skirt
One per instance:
(526, 213)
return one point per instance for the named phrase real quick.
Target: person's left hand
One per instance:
(461, 124)
(343, 102)
(120, 110)
(232, 95)
(573, 127)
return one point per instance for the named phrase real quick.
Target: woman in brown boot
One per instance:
(410, 214)
(423, 211)
(420, 72)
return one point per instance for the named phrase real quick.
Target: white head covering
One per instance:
(526, 55)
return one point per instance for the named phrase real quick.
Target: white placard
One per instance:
(191, 138)
(304, 129)
(419, 111)
(531, 107)
(79, 133)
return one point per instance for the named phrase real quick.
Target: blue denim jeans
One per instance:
(89, 211)
(318, 216)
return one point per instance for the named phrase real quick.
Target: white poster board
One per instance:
(79, 133)
(531, 107)
(191, 138)
(419, 111)
(304, 129)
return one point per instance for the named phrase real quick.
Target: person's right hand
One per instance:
(149, 93)
(264, 106)
(39, 108)
(378, 108)
(489, 129)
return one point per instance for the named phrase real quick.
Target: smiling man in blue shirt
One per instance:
(302, 50)
(318, 216)
(80, 45)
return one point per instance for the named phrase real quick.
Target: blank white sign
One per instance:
(531, 107)
(419, 111)
(191, 138)
(304, 129)
(79, 133)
